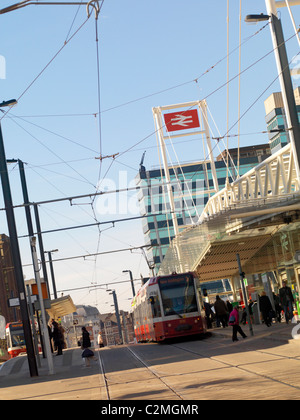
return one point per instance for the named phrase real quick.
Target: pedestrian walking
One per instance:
(286, 300)
(50, 337)
(234, 321)
(278, 308)
(208, 314)
(85, 339)
(62, 334)
(87, 353)
(244, 317)
(57, 338)
(229, 306)
(266, 309)
(100, 340)
(250, 306)
(221, 311)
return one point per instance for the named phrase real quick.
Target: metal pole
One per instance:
(41, 245)
(132, 285)
(159, 125)
(44, 329)
(52, 274)
(31, 313)
(27, 207)
(117, 315)
(242, 275)
(131, 280)
(285, 82)
(16, 257)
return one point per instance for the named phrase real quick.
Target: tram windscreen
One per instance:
(17, 338)
(17, 335)
(178, 295)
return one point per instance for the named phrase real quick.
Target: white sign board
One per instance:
(2, 327)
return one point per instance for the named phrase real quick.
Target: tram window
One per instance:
(17, 339)
(178, 296)
(155, 306)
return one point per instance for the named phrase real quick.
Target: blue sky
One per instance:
(144, 48)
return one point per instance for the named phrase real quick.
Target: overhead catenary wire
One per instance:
(147, 137)
(113, 251)
(46, 66)
(227, 103)
(239, 89)
(213, 92)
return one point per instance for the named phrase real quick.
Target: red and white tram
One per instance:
(15, 339)
(168, 307)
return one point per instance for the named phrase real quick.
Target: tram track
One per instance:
(142, 379)
(240, 367)
(102, 372)
(155, 373)
(107, 381)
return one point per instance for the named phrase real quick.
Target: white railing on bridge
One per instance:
(273, 179)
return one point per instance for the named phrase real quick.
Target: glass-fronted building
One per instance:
(192, 185)
(276, 119)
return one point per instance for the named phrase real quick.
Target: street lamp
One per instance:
(131, 280)
(284, 77)
(15, 250)
(52, 271)
(256, 18)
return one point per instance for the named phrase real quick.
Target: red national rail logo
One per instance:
(182, 120)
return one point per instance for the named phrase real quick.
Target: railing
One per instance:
(273, 179)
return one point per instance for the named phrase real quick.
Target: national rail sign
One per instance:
(182, 120)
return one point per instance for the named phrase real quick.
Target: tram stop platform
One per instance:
(279, 331)
(72, 380)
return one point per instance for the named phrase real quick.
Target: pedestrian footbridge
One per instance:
(257, 216)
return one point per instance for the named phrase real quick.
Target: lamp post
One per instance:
(284, 77)
(131, 280)
(242, 276)
(52, 271)
(15, 250)
(44, 329)
(28, 215)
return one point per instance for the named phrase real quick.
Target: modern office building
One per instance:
(276, 119)
(192, 185)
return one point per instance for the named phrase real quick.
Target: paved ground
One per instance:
(71, 380)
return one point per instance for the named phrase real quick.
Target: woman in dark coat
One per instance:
(85, 339)
(266, 309)
(57, 338)
(87, 353)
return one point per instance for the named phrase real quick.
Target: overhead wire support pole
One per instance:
(28, 213)
(16, 257)
(41, 246)
(285, 81)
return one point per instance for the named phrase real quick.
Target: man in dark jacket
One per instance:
(57, 338)
(266, 308)
(286, 300)
(221, 311)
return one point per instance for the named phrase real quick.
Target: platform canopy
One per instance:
(61, 307)
(211, 248)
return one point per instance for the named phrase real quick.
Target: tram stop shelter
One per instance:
(268, 241)
(61, 307)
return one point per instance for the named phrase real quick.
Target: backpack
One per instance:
(232, 320)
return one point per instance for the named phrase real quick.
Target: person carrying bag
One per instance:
(234, 321)
(87, 353)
